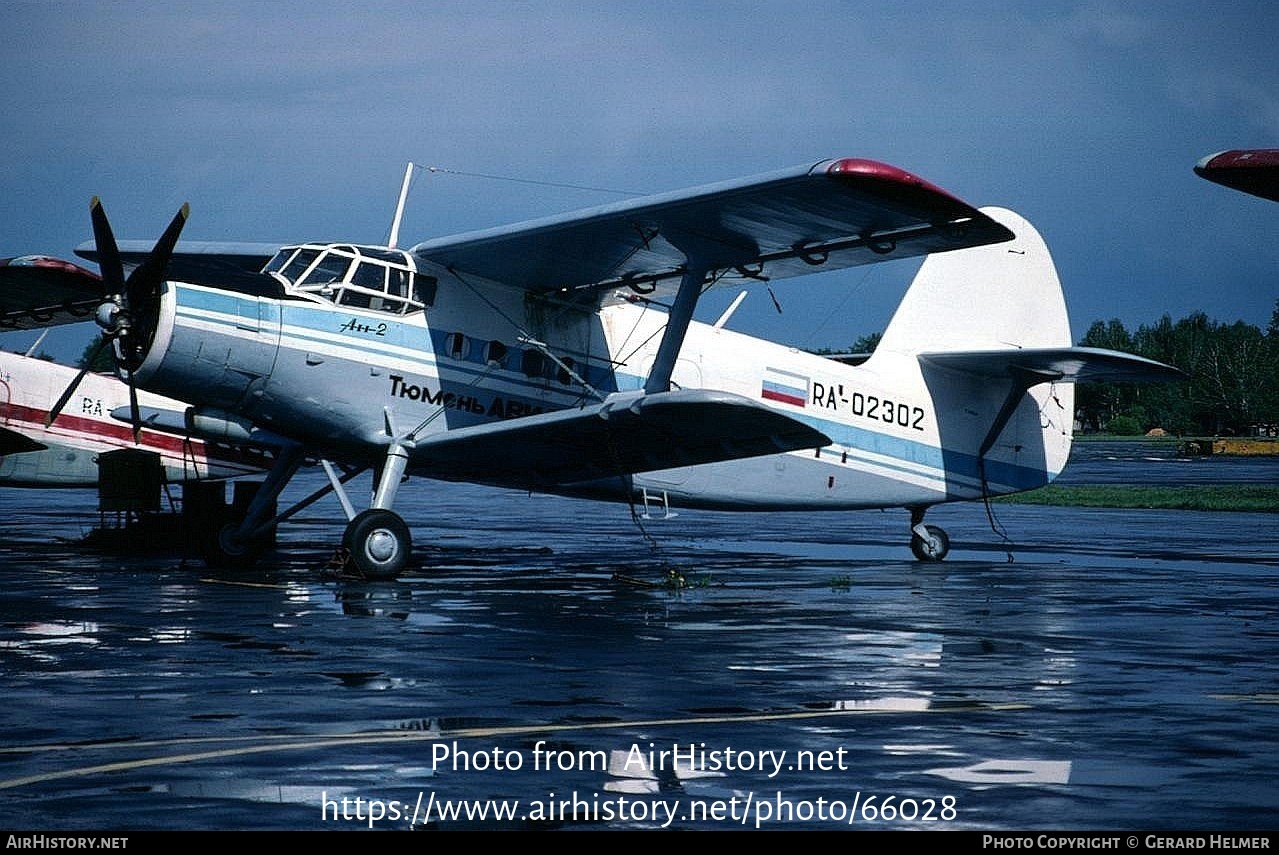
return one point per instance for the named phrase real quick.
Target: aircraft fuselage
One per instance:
(336, 377)
(65, 453)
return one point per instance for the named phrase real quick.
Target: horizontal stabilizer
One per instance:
(625, 434)
(1072, 364)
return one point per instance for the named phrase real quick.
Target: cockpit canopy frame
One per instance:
(362, 277)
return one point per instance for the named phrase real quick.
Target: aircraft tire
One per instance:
(221, 549)
(379, 544)
(934, 548)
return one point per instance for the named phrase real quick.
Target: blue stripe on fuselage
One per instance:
(945, 461)
(309, 324)
(942, 462)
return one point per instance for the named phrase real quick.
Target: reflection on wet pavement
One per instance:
(1120, 671)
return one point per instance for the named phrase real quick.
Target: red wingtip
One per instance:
(875, 169)
(1254, 171)
(1241, 159)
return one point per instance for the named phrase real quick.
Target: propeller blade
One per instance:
(108, 252)
(144, 281)
(103, 341)
(135, 415)
(164, 246)
(125, 313)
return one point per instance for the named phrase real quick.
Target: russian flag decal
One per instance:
(784, 386)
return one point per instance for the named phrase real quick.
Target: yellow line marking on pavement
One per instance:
(269, 744)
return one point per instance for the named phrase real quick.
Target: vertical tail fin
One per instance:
(1003, 430)
(1006, 295)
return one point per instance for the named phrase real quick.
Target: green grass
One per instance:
(1213, 497)
(1114, 437)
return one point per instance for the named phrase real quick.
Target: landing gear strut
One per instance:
(378, 540)
(928, 542)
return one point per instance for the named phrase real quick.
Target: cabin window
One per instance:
(455, 345)
(533, 363)
(562, 374)
(495, 354)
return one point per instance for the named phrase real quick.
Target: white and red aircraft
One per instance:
(1254, 171)
(560, 355)
(35, 453)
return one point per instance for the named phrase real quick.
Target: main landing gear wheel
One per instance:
(221, 548)
(931, 548)
(379, 544)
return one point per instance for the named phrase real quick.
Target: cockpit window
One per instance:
(330, 269)
(376, 278)
(424, 288)
(397, 282)
(299, 264)
(370, 275)
(277, 261)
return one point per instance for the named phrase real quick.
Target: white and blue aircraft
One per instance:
(560, 355)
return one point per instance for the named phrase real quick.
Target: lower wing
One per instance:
(625, 434)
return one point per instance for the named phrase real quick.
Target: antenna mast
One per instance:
(399, 207)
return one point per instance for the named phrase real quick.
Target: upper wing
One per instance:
(36, 292)
(234, 265)
(838, 213)
(622, 435)
(1077, 364)
(1254, 171)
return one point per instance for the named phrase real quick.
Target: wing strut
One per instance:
(681, 314)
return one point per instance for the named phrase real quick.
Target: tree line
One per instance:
(1232, 384)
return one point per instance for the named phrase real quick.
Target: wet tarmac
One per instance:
(1147, 463)
(1064, 669)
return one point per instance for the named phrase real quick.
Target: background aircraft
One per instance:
(560, 355)
(65, 453)
(1254, 171)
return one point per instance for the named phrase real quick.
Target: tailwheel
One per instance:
(929, 542)
(379, 543)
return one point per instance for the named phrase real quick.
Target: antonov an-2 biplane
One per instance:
(560, 355)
